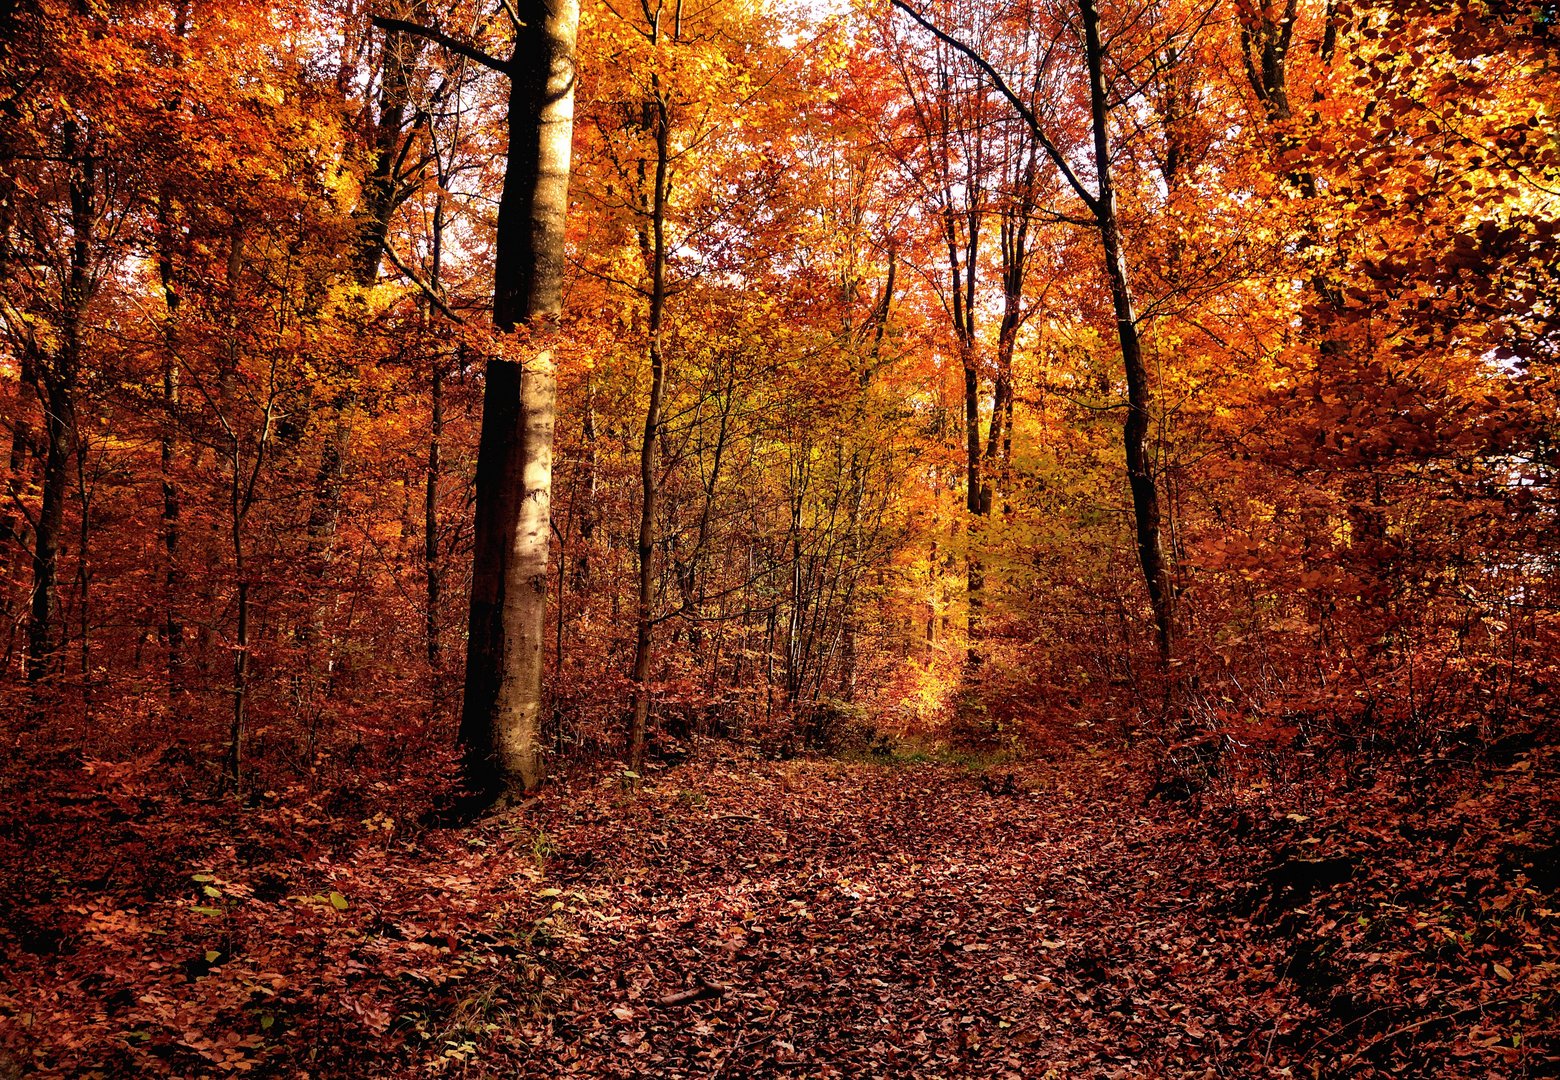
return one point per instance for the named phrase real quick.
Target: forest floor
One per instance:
(737, 917)
(862, 920)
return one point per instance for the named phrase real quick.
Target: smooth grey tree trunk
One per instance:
(500, 726)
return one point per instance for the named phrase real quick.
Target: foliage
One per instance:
(246, 252)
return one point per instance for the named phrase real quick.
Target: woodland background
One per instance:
(245, 281)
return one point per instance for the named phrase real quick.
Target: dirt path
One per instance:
(874, 921)
(830, 920)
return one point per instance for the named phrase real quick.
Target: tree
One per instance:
(1104, 216)
(500, 725)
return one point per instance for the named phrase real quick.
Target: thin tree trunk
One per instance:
(965, 328)
(235, 755)
(639, 723)
(1140, 474)
(1014, 243)
(432, 568)
(43, 642)
(1102, 207)
(244, 485)
(587, 498)
(173, 626)
(57, 395)
(84, 572)
(963, 294)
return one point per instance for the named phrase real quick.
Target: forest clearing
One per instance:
(779, 538)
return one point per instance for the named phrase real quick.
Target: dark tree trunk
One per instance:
(1102, 208)
(963, 293)
(432, 567)
(1140, 473)
(56, 382)
(382, 188)
(587, 511)
(43, 626)
(639, 721)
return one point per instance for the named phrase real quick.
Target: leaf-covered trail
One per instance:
(861, 920)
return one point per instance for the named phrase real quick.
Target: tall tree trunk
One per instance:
(963, 292)
(232, 772)
(1017, 214)
(324, 516)
(43, 629)
(858, 474)
(501, 715)
(587, 498)
(242, 488)
(432, 567)
(57, 378)
(84, 573)
(1140, 473)
(173, 626)
(639, 722)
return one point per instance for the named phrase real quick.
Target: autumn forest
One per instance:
(757, 538)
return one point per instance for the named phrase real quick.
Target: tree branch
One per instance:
(519, 24)
(470, 52)
(427, 290)
(1017, 102)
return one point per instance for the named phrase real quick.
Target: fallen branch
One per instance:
(703, 992)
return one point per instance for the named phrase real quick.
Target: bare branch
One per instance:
(470, 52)
(514, 16)
(427, 290)
(1028, 114)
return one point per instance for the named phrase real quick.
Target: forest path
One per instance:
(873, 921)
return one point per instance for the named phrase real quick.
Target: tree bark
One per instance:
(43, 631)
(1014, 243)
(167, 271)
(382, 188)
(500, 727)
(432, 568)
(173, 626)
(963, 296)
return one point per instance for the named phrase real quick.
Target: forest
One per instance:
(780, 538)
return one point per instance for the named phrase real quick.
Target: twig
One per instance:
(427, 290)
(1355, 1055)
(1417, 1024)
